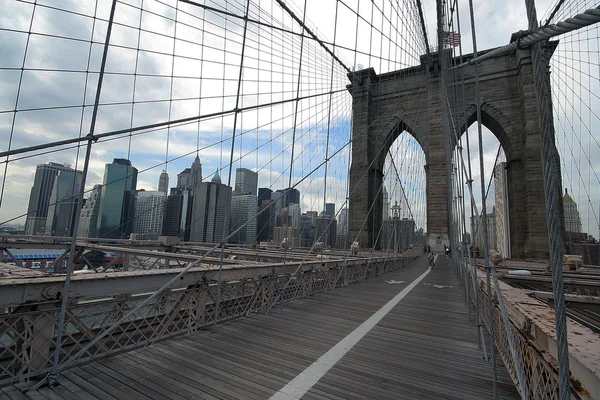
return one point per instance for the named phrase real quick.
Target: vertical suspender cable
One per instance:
(71, 262)
(235, 118)
(518, 366)
(550, 174)
(491, 306)
(329, 107)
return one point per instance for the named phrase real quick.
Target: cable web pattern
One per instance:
(127, 120)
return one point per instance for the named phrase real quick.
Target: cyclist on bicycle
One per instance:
(431, 258)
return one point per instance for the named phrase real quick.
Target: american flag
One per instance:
(451, 39)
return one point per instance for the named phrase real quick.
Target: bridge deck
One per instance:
(425, 347)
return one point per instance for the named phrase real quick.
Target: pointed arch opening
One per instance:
(404, 216)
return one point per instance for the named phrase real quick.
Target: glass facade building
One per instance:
(39, 198)
(118, 199)
(63, 203)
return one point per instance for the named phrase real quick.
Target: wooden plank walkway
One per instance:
(424, 348)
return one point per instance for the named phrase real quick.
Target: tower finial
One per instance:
(216, 178)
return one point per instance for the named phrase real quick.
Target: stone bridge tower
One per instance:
(409, 100)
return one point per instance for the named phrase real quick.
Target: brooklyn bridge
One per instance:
(386, 199)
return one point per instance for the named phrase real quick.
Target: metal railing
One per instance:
(541, 375)
(28, 331)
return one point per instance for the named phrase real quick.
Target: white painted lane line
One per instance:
(301, 384)
(394, 281)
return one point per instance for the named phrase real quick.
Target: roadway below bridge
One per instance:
(402, 335)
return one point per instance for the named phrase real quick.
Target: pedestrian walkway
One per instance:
(403, 335)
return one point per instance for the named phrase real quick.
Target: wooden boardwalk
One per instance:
(424, 348)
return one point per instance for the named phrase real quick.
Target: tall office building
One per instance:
(243, 206)
(343, 221)
(501, 201)
(178, 213)
(290, 216)
(291, 196)
(243, 214)
(397, 234)
(278, 204)
(572, 218)
(406, 232)
(163, 182)
(39, 198)
(491, 228)
(307, 230)
(386, 204)
(88, 219)
(195, 173)
(118, 199)
(330, 209)
(246, 181)
(183, 178)
(149, 209)
(263, 194)
(187, 179)
(265, 221)
(313, 217)
(210, 213)
(326, 231)
(63, 203)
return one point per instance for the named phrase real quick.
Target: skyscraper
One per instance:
(246, 181)
(183, 178)
(243, 213)
(326, 231)
(39, 199)
(210, 213)
(263, 194)
(291, 216)
(88, 219)
(178, 213)
(278, 205)
(343, 221)
(243, 206)
(307, 230)
(163, 182)
(291, 196)
(313, 217)
(386, 204)
(63, 203)
(572, 218)
(265, 221)
(118, 199)
(149, 207)
(330, 209)
(406, 233)
(195, 173)
(491, 229)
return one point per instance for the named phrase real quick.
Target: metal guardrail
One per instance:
(28, 331)
(541, 375)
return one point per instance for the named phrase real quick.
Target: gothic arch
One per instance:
(496, 122)
(385, 105)
(398, 124)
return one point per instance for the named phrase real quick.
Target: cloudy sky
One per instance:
(144, 84)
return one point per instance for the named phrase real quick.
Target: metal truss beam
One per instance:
(16, 292)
